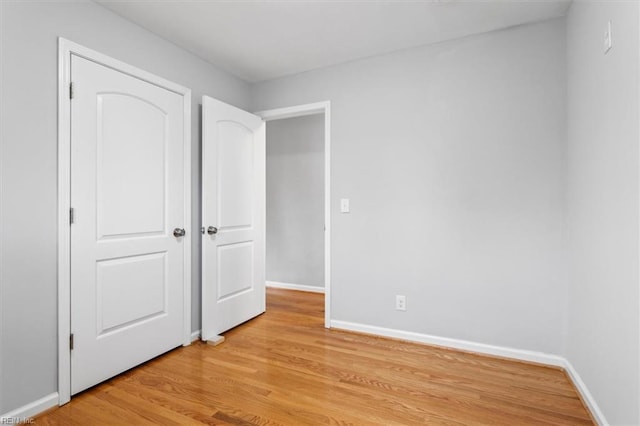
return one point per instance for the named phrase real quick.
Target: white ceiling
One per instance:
(261, 40)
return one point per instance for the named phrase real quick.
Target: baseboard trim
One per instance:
(299, 287)
(500, 351)
(519, 354)
(587, 398)
(36, 407)
(32, 409)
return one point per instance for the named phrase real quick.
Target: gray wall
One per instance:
(28, 168)
(602, 214)
(295, 200)
(453, 158)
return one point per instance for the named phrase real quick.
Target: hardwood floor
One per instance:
(285, 368)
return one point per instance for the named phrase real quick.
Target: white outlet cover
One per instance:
(401, 303)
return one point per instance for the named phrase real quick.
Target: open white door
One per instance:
(233, 217)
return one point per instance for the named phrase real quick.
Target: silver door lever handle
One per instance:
(212, 230)
(179, 232)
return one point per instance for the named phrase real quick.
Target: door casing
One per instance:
(65, 49)
(300, 111)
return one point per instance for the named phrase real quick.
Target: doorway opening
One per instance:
(298, 199)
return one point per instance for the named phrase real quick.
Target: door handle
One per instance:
(179, 232)
(212, 230)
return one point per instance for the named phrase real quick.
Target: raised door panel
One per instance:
(235, 269)
(131, 199)
(235, 175)
(130, 290)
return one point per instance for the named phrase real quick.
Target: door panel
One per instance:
(146, 296)
(233, 173)
(128, 194)
(235, 269)
(122, 145)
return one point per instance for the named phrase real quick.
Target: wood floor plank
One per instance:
(285, 368)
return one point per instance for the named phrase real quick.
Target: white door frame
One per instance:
(300, 111)
(65, 49)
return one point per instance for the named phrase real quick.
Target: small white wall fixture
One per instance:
(301, 111)
(66, 49)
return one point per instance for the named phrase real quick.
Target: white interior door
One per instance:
(127, 195)
(233, 217)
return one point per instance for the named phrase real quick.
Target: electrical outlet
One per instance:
(401, 303)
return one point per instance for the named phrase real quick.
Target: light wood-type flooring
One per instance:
(285, 368)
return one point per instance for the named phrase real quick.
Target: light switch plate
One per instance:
(607, 38)
(344, 205)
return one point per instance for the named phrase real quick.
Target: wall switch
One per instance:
(607, 38)
(401, 303)
(344, 205)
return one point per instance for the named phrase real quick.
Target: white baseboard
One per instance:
(519, 354)
(32, 409)
(465, 345)
(584, 392)
(36, 407)
(299, 287)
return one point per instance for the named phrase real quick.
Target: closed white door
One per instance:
(128, 196)
(233, 217)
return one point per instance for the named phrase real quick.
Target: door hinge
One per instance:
(70, 90)
(71, 341)
(72, 215)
